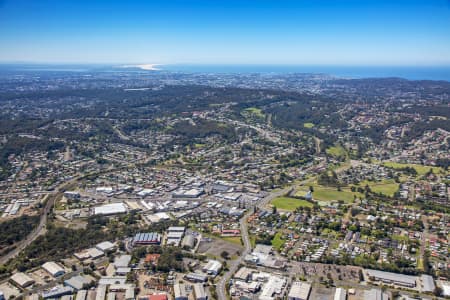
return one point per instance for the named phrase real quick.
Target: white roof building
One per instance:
(53, 269)
(299, 291)
(213, 267)
(22, 279)
(105, 246)
(110, 209)
(340, 294)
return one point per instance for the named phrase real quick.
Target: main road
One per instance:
(234, 264)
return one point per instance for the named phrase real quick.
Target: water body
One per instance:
(411, 73)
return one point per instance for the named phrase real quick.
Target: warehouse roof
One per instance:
(110, 209)
(22, 279)
(53, 268)
(392, 277)
(299, 290)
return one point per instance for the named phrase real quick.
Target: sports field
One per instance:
(290, 204)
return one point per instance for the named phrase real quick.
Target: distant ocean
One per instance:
(411, 73)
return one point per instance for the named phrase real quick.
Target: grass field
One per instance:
(253, 112)
(322, 193)
(421, 170)
(386, 187)
(277, 241)
(288, 203)
(233, 239)
(336, 151)
(308, 125)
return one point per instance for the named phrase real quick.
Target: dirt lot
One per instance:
(216, 246)
(148, 284)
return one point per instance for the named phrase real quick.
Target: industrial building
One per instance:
(174, 235)
(122, 261)
(81, 295)
(53, 269)
(147, 238)
(57, 292)
(340, 294)
(375, 294)
(101, 292)
(213, 267)
(196, 277)
(273, 288)
(199, 292)
(105, 246)
(243, 274)
(78, 282)
(391, 278)
(110, 209)
(22, 280)
(180, 291)
(188, 241)
(299, 291)
(428, 285)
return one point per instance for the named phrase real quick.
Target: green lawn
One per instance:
(386, 187)
(308, 125)
(233, 239)
(336, 151)
(322, 193)
(288, 203)
(421, 169)
(253, 112)
(277, 241)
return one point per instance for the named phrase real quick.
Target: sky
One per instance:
(314, 32)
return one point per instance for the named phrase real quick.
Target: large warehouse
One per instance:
(53, 269)
(391, 278)
(110, 209)
(22, 279)
(147, 238)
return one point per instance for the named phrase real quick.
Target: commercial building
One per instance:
(299, 291)
(22, 280)
(340, 294)
(273, 288)
(53, 269)
(187, 193)
(391, 278)
(157, 297)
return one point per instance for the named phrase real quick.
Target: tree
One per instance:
(224, 254)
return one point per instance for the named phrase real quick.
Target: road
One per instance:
(233, 265)
(41, 228)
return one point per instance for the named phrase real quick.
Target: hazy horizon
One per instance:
(344, 33)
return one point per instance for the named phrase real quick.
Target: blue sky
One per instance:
(226, 32)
